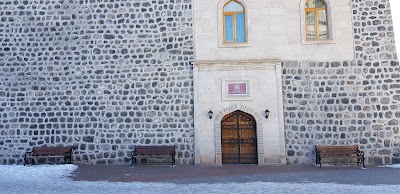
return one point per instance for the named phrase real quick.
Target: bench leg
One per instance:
(27, 161)
(67, 160)
(28, 158)
(173, 160)
(318, 160)
(133, 159)
(363, 160)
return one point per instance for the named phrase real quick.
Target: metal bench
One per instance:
(339, 152)
(163, 151)
(48, 152)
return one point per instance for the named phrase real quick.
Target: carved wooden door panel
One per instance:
(239, 138)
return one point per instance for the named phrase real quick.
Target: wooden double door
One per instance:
(239, 139)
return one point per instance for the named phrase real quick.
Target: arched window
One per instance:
(316, 20)
(234, 22)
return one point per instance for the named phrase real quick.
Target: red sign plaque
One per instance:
(237, 88)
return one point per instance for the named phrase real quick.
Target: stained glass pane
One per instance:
(233, 6)
(311, 33)
(315, 4)
(229, 28)
(323, 24)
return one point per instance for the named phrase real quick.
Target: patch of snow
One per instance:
(392, 166)
(54, 179)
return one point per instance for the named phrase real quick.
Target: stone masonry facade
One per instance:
(99, 75)
(106, 75)
(353, 102)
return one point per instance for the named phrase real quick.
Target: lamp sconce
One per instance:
(266, 114)
(210, 113)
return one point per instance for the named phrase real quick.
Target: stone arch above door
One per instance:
(217, 130)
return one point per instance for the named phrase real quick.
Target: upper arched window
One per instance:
(234, 22)
(316, 20)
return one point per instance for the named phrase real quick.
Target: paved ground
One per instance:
(186, 174)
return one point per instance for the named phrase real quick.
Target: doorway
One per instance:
(239, 138)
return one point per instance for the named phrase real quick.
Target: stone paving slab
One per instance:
(187, 174)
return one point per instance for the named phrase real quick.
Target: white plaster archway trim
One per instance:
(217, 131)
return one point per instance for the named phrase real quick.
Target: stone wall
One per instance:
(99, 75)
(105, 75)
(353, 102)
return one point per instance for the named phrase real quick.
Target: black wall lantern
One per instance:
(266, 114)
(210, 113)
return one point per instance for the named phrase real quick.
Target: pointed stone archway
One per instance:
(217, 130)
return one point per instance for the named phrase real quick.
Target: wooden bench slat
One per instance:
(47, 156)
(51, 151)
(343, 147)
(342, 156)
(339, 153)
(153, 152)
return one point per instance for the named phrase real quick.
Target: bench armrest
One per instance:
(360, 153)
(69, 152)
